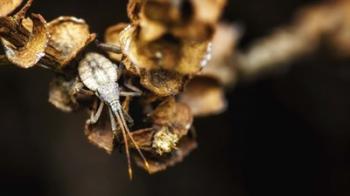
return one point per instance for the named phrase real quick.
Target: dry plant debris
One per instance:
(8, 6)
(173, 61)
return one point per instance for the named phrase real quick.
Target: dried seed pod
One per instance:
(100, 133)
(204, 96)
(164, 141)
(33, 50)
(67, 95)
(189, 20)
(221, 66)
(15, 29)
(177, 116)
(68, 36)
(162, 82)
(156, 140)
(60, 94)
(144, 138)
(159, 163)
(167, 52)
(112, 36)
(8, 6)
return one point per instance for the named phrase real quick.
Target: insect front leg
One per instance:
(78, 87)
(94, 117)
(131, 94)
(135, 91)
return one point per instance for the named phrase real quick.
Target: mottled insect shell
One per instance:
(96, 71)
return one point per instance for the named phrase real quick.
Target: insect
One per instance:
(100, 75)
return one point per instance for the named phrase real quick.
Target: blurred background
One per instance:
(286, 134)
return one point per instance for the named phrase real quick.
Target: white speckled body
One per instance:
(100, 75)
(95, 71)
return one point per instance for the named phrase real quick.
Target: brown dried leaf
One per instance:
(162, 82)
(159, 163)
(8, 6)
(100, 133)
(204, 97)
(28, 55)
(68, 36)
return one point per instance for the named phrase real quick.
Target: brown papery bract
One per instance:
(175, 115)
(61, 96)
(112, 36)
(162, 82)
(34, 49)
(100, 133)
(8, 6)
(221, 67)
(159, 163)
(68, 36)
(204, 96)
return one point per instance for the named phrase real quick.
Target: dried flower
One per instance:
(33, 49)
(68, 36)
(8, 6)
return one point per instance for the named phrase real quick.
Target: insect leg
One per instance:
(110, 47)
(113, 123)
(94, 117)
(128, 118)
(132, 94)
(78, 87)
(129, 85)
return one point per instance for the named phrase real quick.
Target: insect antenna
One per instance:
(121, 124)
(126, 132)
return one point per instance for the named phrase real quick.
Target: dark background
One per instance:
(286, 134)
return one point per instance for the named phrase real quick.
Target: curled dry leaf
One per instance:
(100, 133)
(159, 163)
(28, 55)
(68, 36)
(204, 96)
(8, 6)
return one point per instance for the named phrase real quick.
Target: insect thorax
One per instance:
(109, 93)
